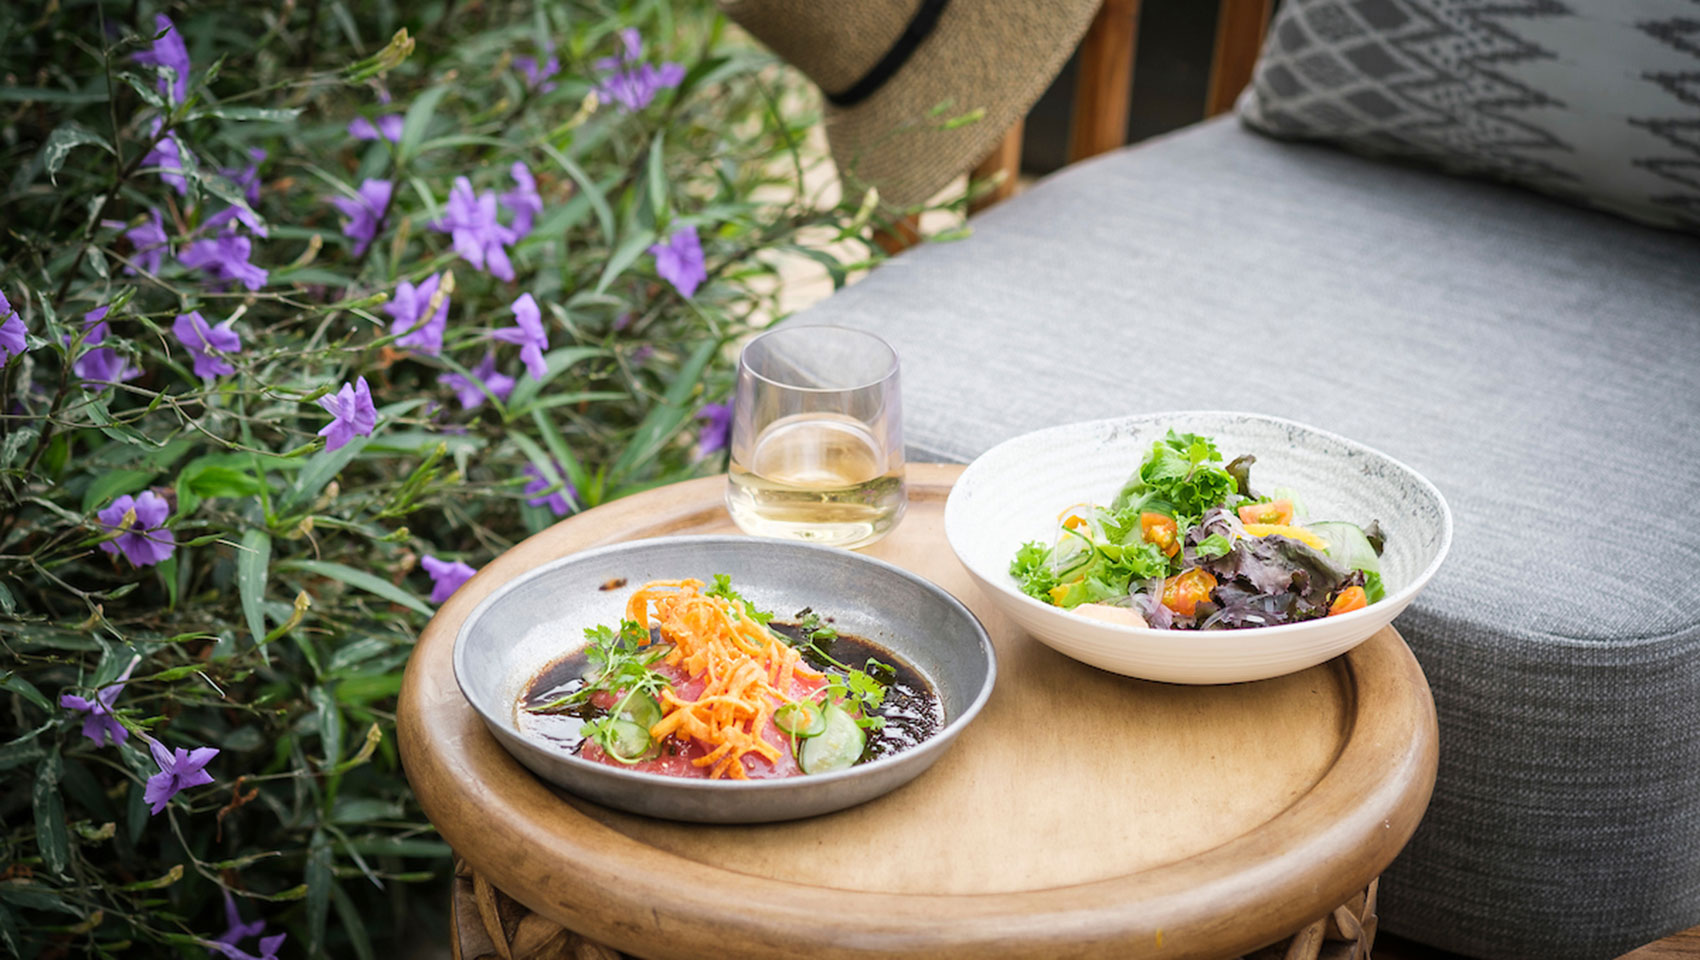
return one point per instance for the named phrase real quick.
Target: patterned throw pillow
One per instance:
(1596, 101)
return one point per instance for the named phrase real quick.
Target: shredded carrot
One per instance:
(747, 669)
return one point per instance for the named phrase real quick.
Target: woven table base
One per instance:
(489, 925)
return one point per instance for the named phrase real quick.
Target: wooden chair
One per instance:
(1103, 89)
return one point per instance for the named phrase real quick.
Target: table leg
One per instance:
(489, 925)
(1347, 933)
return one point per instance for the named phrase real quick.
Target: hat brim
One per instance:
(995, 56)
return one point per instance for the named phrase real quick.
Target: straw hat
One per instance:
(886, 66)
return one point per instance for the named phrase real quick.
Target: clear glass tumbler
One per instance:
(817, 437)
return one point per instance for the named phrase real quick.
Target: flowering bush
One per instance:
(309, 310)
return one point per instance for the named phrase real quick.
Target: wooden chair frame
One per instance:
(1103, 87)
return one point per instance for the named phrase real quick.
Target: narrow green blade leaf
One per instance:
(251, 567)
(319, 882)
(52, 839)
(360, 580)
(114, 483)
(658, 178)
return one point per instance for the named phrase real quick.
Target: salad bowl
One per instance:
(1014, 494)
(541, 616)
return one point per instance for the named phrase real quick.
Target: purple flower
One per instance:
(248, 178)
(166, 157)
(235, 931)
(268, 948)
(365, 212)
(168, 51)
(226, 258)
(150, 243)
(100, 725)
(537, 75)
(446, 577)
(528, 332)
(557, 502)
(478, 237)
(241, 215)
(632, 84)
(466, 390)
(389, 127)
(201, 340)
(523, 200)
(144, 541)
(101, 366)
(352, 414)
(408, 308)
(12, 342)
(716, 427)
(679, 261)
(178, 771)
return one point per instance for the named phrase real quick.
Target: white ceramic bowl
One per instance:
(1014, 492)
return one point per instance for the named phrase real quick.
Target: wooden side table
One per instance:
(1082, 815)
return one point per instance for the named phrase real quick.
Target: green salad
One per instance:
(1188, 544)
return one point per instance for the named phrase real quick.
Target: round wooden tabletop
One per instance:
(1083, 814)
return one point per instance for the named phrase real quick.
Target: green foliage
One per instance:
(277, 629)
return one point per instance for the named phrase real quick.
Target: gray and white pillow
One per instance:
(1596, 101)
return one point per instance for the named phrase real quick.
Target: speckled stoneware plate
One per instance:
(1014, 492)
(536, 619)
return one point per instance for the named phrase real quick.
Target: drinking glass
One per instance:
(817, 437)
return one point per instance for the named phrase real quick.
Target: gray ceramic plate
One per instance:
(541, 616)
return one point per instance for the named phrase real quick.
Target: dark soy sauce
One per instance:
(912, 709)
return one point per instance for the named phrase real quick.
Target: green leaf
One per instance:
(25, 689)
(268, 114)
(36, 896)
(65, 138)
(419, 116)
(21, 751)
(252, 563)
(353, 923)
(114, 483)
(360, 580)
(321, 470)
(623, 256)
(658, 178)
(9, 933)
(319, 882)
(544, 463)
(330, 724)
(664, 419)
(215, 481)
(588, 189)
(558, 361)
(52, 839)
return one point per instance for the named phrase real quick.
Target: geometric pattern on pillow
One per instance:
(1596, 101)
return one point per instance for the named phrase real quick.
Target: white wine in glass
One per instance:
(817, 449)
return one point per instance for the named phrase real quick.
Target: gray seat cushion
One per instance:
(1540, 363)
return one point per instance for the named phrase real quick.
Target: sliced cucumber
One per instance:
(627, 741)
(1347, 545)
(838, 747)
(642, 710)
(801, 719)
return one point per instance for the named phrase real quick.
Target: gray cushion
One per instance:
(1594, 100)
(1539, 362)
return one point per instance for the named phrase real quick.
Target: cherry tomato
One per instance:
(1184, 591)
(1159, 529)
(1351, 598)
(1275, 511)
